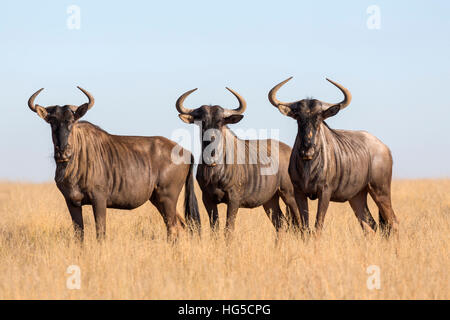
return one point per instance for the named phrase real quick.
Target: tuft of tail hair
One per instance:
(288, 218)
(191, 211)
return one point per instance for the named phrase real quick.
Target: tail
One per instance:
(288, 218)
(191, 211)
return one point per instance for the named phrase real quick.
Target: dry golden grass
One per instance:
(136, 262)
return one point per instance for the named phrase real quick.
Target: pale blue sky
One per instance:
(137, 57)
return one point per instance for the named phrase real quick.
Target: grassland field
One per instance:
(136, 262)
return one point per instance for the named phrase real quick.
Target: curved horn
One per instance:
(272, 94)
(31, 100)
(179, 104)
(238, 110)
(347, 96)
(90, 97)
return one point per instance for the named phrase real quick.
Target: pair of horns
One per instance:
(344, 103)
(90, 103)
(228, 112)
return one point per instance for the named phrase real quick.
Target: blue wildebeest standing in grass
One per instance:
(337, 165)
(96, 168)
(233, 171)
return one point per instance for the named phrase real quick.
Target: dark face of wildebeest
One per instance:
(309, 114)
(211, 119)
(61, 120)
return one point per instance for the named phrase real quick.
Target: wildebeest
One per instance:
(96, 168)
(337, 165)
(239, 179)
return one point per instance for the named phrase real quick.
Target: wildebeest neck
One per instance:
(88, 143)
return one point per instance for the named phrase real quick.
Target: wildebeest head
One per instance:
(61, 119)
(309, 114)
(210, 118)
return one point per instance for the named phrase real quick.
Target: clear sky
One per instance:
(137, 57)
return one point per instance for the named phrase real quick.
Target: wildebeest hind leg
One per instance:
(359, 206)
(273, 211)
(381, 221)
(292, 211)
(166, 206)
(99, 208)
(388, 220)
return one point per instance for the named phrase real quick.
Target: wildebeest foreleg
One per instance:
(76, 214)
(213, 213)
(232, 210)
(322, 207)
(302, 203)
(99, 208)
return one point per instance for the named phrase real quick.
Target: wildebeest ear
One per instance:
(42, 112)
(186, 118)
(287, 111)
(81, 111)
(331, 111)
(235, 118)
